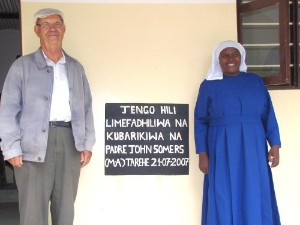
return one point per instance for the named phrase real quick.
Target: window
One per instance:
(269, 31)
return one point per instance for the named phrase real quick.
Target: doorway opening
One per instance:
(10, 45)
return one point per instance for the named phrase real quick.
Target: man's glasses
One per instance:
(47, 26)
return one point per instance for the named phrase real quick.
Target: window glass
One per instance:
(260, 30)
(246, 1)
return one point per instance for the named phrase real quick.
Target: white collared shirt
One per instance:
(60, 102)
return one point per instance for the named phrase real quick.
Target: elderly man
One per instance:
(47, 127)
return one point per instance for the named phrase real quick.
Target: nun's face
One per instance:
(230, 60)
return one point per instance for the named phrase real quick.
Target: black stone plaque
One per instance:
(146, 139)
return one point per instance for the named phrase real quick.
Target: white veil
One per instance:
(215, 72)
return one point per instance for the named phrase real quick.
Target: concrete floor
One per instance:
(9, 213)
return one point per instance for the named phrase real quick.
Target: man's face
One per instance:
(50, 30)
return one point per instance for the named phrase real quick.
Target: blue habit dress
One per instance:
(234, 120)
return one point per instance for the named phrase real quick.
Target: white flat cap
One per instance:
(42, 13)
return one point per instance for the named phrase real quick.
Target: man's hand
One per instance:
(203, 162)
(16, 161)
(85, 157)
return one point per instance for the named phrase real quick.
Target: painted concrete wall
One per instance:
(155, 53)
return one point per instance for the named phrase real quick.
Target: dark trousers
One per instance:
(55, 181)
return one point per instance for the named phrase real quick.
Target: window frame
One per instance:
(287, 78)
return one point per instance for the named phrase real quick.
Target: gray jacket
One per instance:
(25, 107)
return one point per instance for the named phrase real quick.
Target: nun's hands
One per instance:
(273, 156)
(203, 162)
